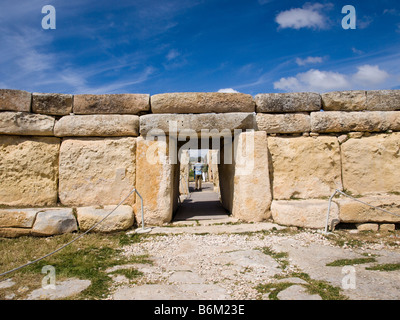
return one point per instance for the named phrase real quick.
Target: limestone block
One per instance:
(352, 211)
(121, 219)
(17, 218)
(52, 103)
(385, 100)
(15, 100)
(283, 123)
(194, 123)
(368, 227)
(22, 123)
(305, 167)
(111, 104)
(288, 102)
(252, 193)
(370, 164)
(14, 232)
(344, 100)
(202, 102)
(28, 170)
(386, 227)
(303, 213)
(154, 182)
(96, 171)
(370, 121)
(54, 221)
(113, 125)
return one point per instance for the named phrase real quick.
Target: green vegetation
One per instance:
(385, 267)
(350, 262)
(280, 257)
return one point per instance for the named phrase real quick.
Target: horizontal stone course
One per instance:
(52, 103)
(15, 100)
(344, 100)
(288, 102)
(284, 123)
(383, 100)
(23, 123)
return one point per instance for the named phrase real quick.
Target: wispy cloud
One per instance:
(309, 60)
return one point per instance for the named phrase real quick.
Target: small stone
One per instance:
(343, 138)
(54, 221)
(356, 135)
(386, 227)
(368, 227)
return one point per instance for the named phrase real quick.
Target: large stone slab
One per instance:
(305, 167)
(194, 123)
(288, 102)
(385, 100)
(22, 123)
(54, 221)
(371, 121)
(114, 125)
(111, 103)
(120, 219)
(96, 171)
(52, 103)
(303, 213)
(252, 191)
(15, 100)
(202, 102)
(344, 100)
(370, 164)
(352, 211)
(28, 170)
(284, 123)
(17, 218)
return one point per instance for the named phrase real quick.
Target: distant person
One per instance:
(198, 169)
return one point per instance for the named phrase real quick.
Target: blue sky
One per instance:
(148, 46)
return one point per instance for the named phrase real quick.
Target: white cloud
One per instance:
(356, 51)
(367, 77)
(309, 60)
(228, 90)
(172, 54)
(309, 16)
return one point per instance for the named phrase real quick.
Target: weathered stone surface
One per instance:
(202, 102)
(64, 289)
(14, 232)
(385, 100)
(15, 100)
(96, 171)
(297, 292)
(52, 103)
(97, 126)
(22, 123)
(368, 227)
(28, 170)
(252, 191)
(369, 164)
(305, 167)
(344, 100)
(121, 219)
(154, 181)
(288, 102)
(54, 221)
(283, 123)
(303, 213)
(194, 123)
(17, 218)
(386, 227)
(352, 211)
(371, 121)
(111, 103)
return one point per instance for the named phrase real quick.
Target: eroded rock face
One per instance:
(28, 170)
(284, 123)
(370, 164)
(383, 100)
(54, 221)
(288, 102)
(15, 100)
(202, 102)
(23, 123)
(344, 100)
(52, 103)
(305, 167)
(96, 171)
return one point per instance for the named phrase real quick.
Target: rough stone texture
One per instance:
(95, 171)
(14, 232)
(202, 102)
(386, 100)
(121, 219)
(344, 100)
(288, 102)
(194, 123)
(154, 180)
(386, 227)
(97, 126)
(371, 121)
(111, 104)
(284, 123)
(54, 221)
(305, 167)
(52, 103)
(28, 171)
(17, 218)
(15, 100)
(369, 164)
(368, 227)
(22, 123)
(303, 213)
(252, 191)
(352, 211)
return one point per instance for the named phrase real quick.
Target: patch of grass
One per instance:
(273, 289)
(385, 267)
(280, 257)
(131, 273)
(350, 262)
